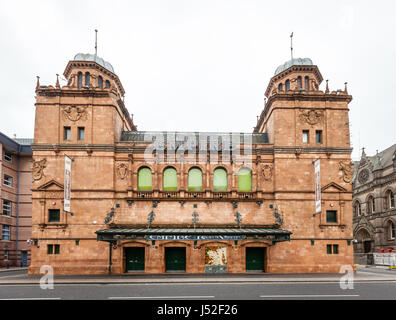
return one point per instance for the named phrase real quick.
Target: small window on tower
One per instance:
(107, 84)
(287, 85)
(66, 133)
(81, 133)
(319, 138)
(100, 82)
(305, 136)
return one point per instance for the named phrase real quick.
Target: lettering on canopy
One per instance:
(194, 237)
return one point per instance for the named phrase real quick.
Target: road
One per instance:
(291, 288)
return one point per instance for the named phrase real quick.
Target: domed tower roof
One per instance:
(94, 58)
(293, 62)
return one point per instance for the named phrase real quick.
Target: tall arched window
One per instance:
(391, 230)
(87, 79)
(220, 180)
(245, 179)
(170, 179)
(356, 209)
(79, 82)
(280, 87)
(299, 82)
(144, 179)
(307, 83)
(107, 84)
(390, 199)
(100, 82)
(195, 179)
(371, 205)
(287, 84)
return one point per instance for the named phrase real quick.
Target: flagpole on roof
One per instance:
(291, 45)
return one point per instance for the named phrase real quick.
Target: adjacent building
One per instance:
(194, 202)
(374, 207)
(15, 201)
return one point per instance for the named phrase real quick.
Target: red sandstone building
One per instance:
(158, 202)
(15, 201)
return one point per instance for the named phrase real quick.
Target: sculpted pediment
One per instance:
(333, 187)
(51, 185)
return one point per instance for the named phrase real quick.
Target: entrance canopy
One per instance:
(191, 234)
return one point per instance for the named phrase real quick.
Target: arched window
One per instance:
(100, 82)
(299, 82)
(390, 199)
(356, 209)
(280, 87)
(144, 179)
(371, 205)
(245, 179)
(87, 79)
(307, 83)
(287, 84)
(220, 180)
(79, 82)
(391, 230)
(170, 179)
(107, 84)
(195, 179)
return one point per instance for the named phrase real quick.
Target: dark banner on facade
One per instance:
(194, 237)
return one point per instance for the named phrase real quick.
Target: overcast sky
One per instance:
(203, 65)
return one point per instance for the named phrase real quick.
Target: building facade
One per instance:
(374, 207)
(199, 202)
(15, 201)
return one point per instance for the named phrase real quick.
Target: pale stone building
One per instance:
(190, 202)
(374, 209)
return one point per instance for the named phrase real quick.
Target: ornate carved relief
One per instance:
(122, 171)
(267, 172)
(312, 116)
(38, 169)
(347, 171)
(363, 176)
(74, 113)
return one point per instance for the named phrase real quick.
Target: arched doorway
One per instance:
(364, 241)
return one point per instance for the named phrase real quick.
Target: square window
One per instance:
(50, 249)
(7, 180)
(305, 136)
(66, 133)
(57, 248)
(331, 216)
(81, 133)
(53, 215)
(6, 233)
(319, 138)
(8, 157)
(7, 207)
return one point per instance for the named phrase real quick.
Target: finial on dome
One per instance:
(327, 86)
(57, 85)
(346, 88)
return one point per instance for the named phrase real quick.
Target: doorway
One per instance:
(255, 259)
(135, 257)
(175, 259)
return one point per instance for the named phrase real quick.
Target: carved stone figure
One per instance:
(38, 169)
(312, 117)
(74, 113)
(347, 171)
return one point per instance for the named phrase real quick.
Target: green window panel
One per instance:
(245, 180)
(195, 179)
(144, 179)
(170, 179)
(220, 180)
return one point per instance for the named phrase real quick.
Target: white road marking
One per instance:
(32, 299)
(166, 297)
(311, 296)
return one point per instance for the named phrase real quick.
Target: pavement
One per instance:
(19, 276)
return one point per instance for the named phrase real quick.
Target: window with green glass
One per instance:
(245, 180)
(195, 179)
(220, 180)
(170, 179)
(144, 179)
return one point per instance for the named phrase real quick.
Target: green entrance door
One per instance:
(134, 259)
(255, 259)
(175, 259)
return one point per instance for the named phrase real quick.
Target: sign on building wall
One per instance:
(318, 196)
(67, 187)
(215, 260)
(193, 237)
